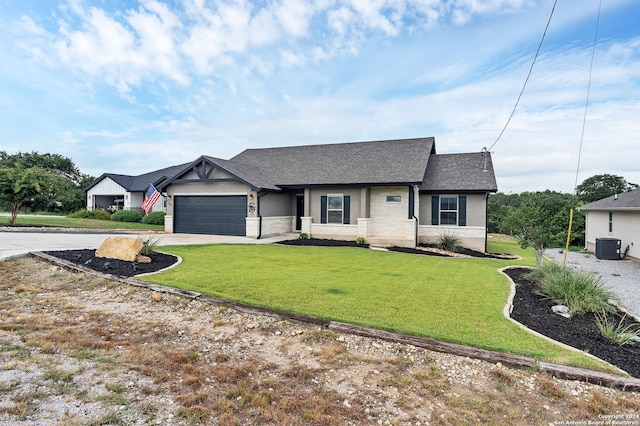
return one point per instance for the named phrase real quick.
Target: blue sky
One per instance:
(131, 86)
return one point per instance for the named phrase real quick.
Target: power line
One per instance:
(528, 76)
(586, 104)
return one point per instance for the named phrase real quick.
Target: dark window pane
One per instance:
(335, 216)
(448, 218)
(335, 203)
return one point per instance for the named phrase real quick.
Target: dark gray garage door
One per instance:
(219, 215)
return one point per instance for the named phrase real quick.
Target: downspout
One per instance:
(486, 222)
(412, 214)
(259, 215)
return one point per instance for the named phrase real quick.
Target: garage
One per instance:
(215, 215)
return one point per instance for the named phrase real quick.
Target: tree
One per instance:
(542, 220)
(63, 190)
(602, 186)
(19, 186)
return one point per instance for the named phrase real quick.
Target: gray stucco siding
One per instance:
(277, 204)
(315, 200)
(476, 213)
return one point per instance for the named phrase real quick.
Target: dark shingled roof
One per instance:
(377, 162)
(387, 162)
(140, 183)
(460, 173)
(624, 201)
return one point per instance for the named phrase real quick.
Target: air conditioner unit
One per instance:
(608, 248)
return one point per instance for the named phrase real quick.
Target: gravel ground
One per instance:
(622, 276)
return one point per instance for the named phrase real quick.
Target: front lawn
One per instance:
(449, 299)
(66, 222)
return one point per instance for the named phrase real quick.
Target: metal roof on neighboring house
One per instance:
(624, 201)
(460, 172)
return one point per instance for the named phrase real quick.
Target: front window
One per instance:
(334, 209)
(448, 210)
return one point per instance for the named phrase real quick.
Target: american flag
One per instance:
(150, 198)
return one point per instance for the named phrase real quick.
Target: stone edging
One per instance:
(571, 373)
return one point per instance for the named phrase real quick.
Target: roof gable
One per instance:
(624, 201)
(205, 166)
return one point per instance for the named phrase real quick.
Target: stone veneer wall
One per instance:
(277, 225)
(472, 237)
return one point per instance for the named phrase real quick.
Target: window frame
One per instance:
(394, 198)
(610, 221)
(448, 211)
(334, 210)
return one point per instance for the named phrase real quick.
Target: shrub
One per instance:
(361, 241)
(580, 291)
(448, 242)
(93, 214)
(619, 333)
(126, 216)
(149, 246)
(304, 236)
(154, 218)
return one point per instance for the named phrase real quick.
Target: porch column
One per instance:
(306, 224)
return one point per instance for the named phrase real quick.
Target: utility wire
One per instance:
(584, 121)
(527, 79)
(586, 104)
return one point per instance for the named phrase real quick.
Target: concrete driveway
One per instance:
(19, 243)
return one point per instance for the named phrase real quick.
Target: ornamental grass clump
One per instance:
(580, 291)
(619, 333)
(448, 242)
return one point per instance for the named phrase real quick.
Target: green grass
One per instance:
(65, 222)
(453, 300)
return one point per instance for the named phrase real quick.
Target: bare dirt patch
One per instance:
(82, 350)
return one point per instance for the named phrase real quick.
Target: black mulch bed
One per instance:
(579, 331)
(461, 250)
(113, 266)
(322, 243)
(344, 243)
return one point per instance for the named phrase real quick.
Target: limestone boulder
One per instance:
(121, 248)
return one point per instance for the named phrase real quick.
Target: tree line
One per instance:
(41, 183)
(541, 219)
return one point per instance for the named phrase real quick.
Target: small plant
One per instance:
(149, 246)
(154, 218)
(361, 241)
(619, 333)
(127, 216)
(448, 242)
(303, 236)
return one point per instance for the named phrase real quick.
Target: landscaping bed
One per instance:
(87, 258)
(580, 331)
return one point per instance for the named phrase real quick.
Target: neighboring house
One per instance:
(392, 192)
(616, 217)
(123, 192)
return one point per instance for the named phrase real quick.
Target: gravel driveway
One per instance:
(622, 276)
